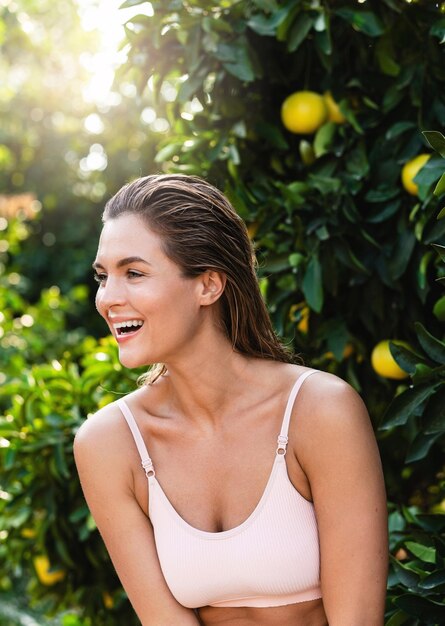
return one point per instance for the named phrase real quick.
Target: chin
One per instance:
(132, 361)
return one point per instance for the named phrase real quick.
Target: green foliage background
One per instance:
(334, 228)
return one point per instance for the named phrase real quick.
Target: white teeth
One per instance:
(135, 323)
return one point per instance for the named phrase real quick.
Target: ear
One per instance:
(212, 286)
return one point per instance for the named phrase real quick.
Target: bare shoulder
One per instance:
(327, 400)
(329, 417)
(104, 444)
(101, 429)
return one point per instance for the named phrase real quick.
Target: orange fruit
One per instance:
(303, 112)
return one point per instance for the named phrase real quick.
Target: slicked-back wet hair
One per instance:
(199, 231)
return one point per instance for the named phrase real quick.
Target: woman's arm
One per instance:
(338, 452)
(106, 478)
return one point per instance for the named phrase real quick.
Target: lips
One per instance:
(127, 328)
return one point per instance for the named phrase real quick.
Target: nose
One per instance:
(110, 294)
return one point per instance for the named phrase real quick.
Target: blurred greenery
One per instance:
(346, 254)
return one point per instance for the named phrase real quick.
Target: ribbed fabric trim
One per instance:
(262, 602)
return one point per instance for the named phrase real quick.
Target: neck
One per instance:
(205, 386)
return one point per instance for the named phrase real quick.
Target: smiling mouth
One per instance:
(127, 328)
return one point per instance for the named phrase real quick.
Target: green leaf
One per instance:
(441, 213)
(323, 42)
(299, 32)
(397, 129)
(312, 285)
(424, 553)
(428, 611)
(440, 187)
(440, 250)
(404, 574)
(433, 418)
(191, 86)
(396, 522)
(242, 68)
(397, 619)
(363, 21)
(436, 579)
(407, 359)
(433, 523)
(323, 139)
(420, 447)
(385, 57)
(267, 25)
(430, 172)
(272, 134)
(325, 184)
(406, 405)
(277, 263)
(132, 3)
(382, 193)
(401, 254)
(439, 309)
(167, 152)
(434, 348)
(438, 30)
(335, 333)
(392, 97)
(266, 5)
(9, 459)
(436, 141)
(59, 455)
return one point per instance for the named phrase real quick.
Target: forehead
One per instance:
(128, 234)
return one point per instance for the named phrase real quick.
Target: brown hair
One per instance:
(200, 231)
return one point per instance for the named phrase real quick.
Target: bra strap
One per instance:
(146, 462)
(283, 436)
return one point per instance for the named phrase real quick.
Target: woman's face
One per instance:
(151, 309)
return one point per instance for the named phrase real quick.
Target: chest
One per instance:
(213, 483)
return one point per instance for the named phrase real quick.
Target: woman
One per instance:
(224, 523)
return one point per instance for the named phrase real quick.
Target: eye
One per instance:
(134, 274)
(99, 278)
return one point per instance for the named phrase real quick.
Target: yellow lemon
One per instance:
(348, 350)
(252, 229)
(47, 576)
(108, 600)
(28, 533)
(410, 170)
(334, 113)
(384, 363)
(300, 313)
(303, 112)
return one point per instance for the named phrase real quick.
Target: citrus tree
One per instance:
(417, 537)
(309, 115)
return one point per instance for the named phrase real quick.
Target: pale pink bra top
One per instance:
(271, 559)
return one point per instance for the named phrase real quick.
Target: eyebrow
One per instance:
(122, 262)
